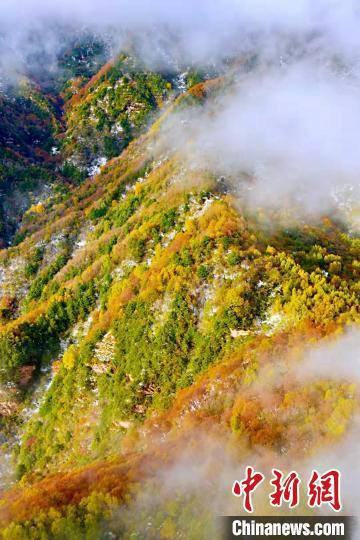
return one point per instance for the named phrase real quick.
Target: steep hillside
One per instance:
(63, 129)
(31, 126)
(104, 115)
(28, 128)
(152, 310)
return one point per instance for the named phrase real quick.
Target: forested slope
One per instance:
(155, 309)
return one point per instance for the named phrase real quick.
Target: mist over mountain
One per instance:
(184, 32)
(179, 262)
(292, 122)
(292, 129)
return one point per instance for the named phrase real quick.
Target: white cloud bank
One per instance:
(292, 124)
(295, 130)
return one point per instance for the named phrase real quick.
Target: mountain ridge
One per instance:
(155, 302)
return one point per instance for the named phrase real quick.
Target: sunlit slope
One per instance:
(104, 115)
(159, 304)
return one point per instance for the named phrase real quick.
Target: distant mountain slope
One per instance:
(103, 116)
(43, 147)
(29, 122)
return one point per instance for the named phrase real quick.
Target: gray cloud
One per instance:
(292, 124)
(294, 129)
(202, 29)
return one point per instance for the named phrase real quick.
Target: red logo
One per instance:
(325, 489)
(322, 489)
(286, 490)
(247, 486)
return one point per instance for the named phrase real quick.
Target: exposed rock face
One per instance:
(239, 333)
(105, 350)
(7, 408)
(26, 374)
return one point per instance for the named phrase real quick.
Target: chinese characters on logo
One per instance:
(321, 489)
(325, 489)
